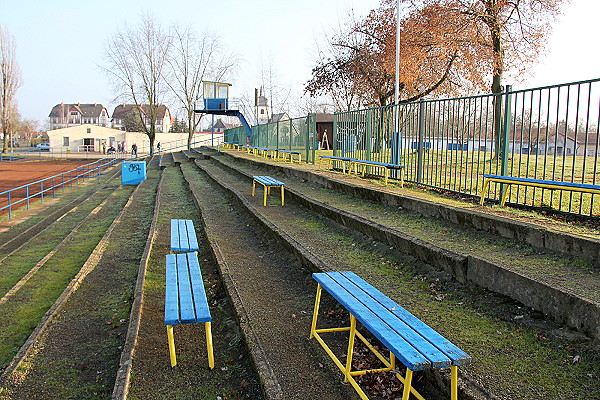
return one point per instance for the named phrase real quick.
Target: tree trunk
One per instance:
(493, 23)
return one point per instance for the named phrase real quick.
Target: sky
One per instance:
(59, 44)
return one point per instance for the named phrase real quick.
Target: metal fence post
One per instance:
(369, 133)
(420, 131)
(505, 137)
(335, 134)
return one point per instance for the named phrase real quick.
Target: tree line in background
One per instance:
(447, 48)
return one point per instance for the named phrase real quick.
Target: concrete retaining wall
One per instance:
(536, 236)
(566, 308)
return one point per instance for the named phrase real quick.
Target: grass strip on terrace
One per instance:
(515, 360)
(151, 376)
(24, 310)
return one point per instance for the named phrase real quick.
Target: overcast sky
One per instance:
(60, 43)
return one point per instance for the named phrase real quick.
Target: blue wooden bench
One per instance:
(268, 183)
(409, 340)
(233, 146)
(387, 167)
(554, 185)
(331, 159)
(183, 236)
(289, 153)
(261, 151)
(185, 300)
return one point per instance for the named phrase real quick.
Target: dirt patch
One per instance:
(19, 173)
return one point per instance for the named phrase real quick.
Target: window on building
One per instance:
(65, 140)
(262, 111)
(89, 130)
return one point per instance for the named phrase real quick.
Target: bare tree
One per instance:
(10, 81)
(278, 95)
(195, 59)
(136, 61)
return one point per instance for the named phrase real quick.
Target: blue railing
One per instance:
(22, 195)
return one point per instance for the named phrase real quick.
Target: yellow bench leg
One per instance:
(347, 375)
(282, 196)
(454, 383)
(486, 184)
(505, 194)
(209, 345)
(171, 346)
(407, 384)
(253, 187)
(266, 191)
(313, 326)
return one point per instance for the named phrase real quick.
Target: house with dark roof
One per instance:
(65, 115)
(279, 117)
(163, 118)
(221, 125)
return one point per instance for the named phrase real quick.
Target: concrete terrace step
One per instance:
(273, 298)
(319, 255)
(550, 283)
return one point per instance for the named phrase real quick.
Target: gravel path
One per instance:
(277, 295)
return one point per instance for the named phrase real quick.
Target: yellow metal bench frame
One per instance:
(284, 156)
(330, 162)
(354, 165)
(267, 191)
(552, 186)
(390, 364)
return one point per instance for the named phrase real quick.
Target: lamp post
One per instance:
(397, 83)
(397, 140)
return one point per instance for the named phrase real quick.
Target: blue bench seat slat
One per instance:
(404, 351)
(191, 235)
(340, 158)
(171, 294)
(370, 296)
(455, 354)
(199, 293)
(544, 182)
(187, 313)
(175, 235)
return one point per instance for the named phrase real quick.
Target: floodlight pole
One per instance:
(397, 84)
(397, 138)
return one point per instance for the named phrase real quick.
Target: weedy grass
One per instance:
(25, 308)
(517, 361)
(151, 373)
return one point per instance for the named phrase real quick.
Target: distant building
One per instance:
(220, 126)
(163, 118)
(84, 138)
(262, 109)
(279, 117)
(65, 115)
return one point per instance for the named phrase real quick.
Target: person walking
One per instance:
(158, 147)
(134, 150)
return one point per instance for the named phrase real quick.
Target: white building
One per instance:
(65, 115)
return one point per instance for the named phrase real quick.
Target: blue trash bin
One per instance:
(133, 173)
